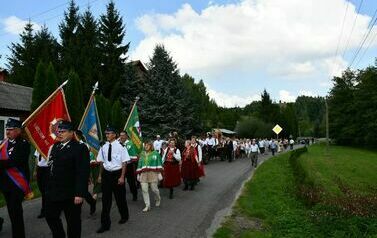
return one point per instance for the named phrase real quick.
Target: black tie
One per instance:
(109, 153)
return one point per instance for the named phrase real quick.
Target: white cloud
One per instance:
(228, 100)
(15, 25)
(292, 38)
(286, 96)
(307, 93)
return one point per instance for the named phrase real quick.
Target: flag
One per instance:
(90, 125)
(133, 129)
(42, 125)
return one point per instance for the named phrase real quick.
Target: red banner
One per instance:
(41, 126)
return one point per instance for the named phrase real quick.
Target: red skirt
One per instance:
(172, 175)
(190, 170)
(201, 170)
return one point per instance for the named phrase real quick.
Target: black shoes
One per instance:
(134, 197)
(171, 194)
(102, 229)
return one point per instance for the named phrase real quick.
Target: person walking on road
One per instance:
(254, 151)
(67, 183)
(114, 158)
(171, 157)
(148, 172)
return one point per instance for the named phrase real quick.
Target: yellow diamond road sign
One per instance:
(277, 129)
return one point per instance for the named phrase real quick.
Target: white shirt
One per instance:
(40, 162)
(176, 155)
(261, 143)
(291, 142)
(210, 141)
(254, 148)
(119, 155)
(157, 145)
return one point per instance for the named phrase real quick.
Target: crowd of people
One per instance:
(63, 176)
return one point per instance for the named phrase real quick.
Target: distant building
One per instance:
(3, 74)
(141, 69)
(15, 101)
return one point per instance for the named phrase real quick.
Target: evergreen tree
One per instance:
(22, 63)
(104, 112)
(73, 95)
(113, 51)
(51, 80)
(165, 104)
(88, 43)
(69, 43)
(117, 118)
(46, 47)
(130, 87)
(39, 89)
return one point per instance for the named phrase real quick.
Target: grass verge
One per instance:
(271, 205)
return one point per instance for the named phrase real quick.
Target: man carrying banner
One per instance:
(14, 174)
(67, 183)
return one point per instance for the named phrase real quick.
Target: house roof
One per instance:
(16, 97)
(139, 64)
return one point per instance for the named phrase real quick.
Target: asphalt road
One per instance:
(189, 214)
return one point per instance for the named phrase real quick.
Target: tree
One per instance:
(165, 105)
(22, 63)
(51, 80)
(39, 94)
(73, 92)
(341, 106)
(113, 52)
(131, 86)
(69, 43)
(104, 112)
(117, 118)
(88, 43)
(46, 47)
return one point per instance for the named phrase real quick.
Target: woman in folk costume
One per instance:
(148, 172)
(171, 156)
(190, 164)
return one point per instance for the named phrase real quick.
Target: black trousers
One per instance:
(131, 178)
(72, 215)
(110, 186)
(42, 175)
(14, 200)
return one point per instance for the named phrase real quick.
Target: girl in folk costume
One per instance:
(148, 172)
(171, 156)
(190, 164)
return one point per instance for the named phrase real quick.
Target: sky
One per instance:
(237, 47)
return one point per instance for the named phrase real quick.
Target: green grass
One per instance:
(270, 197)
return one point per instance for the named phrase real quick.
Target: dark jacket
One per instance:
(69, 171)
(18, 151)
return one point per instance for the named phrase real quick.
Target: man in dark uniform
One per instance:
(18, 150)
(67, 182)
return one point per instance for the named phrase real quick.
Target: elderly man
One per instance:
(14, 174)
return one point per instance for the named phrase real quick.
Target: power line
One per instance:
(353, 27)
(367, 48)
(53, 17)
(365, 38)
(340, 37)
